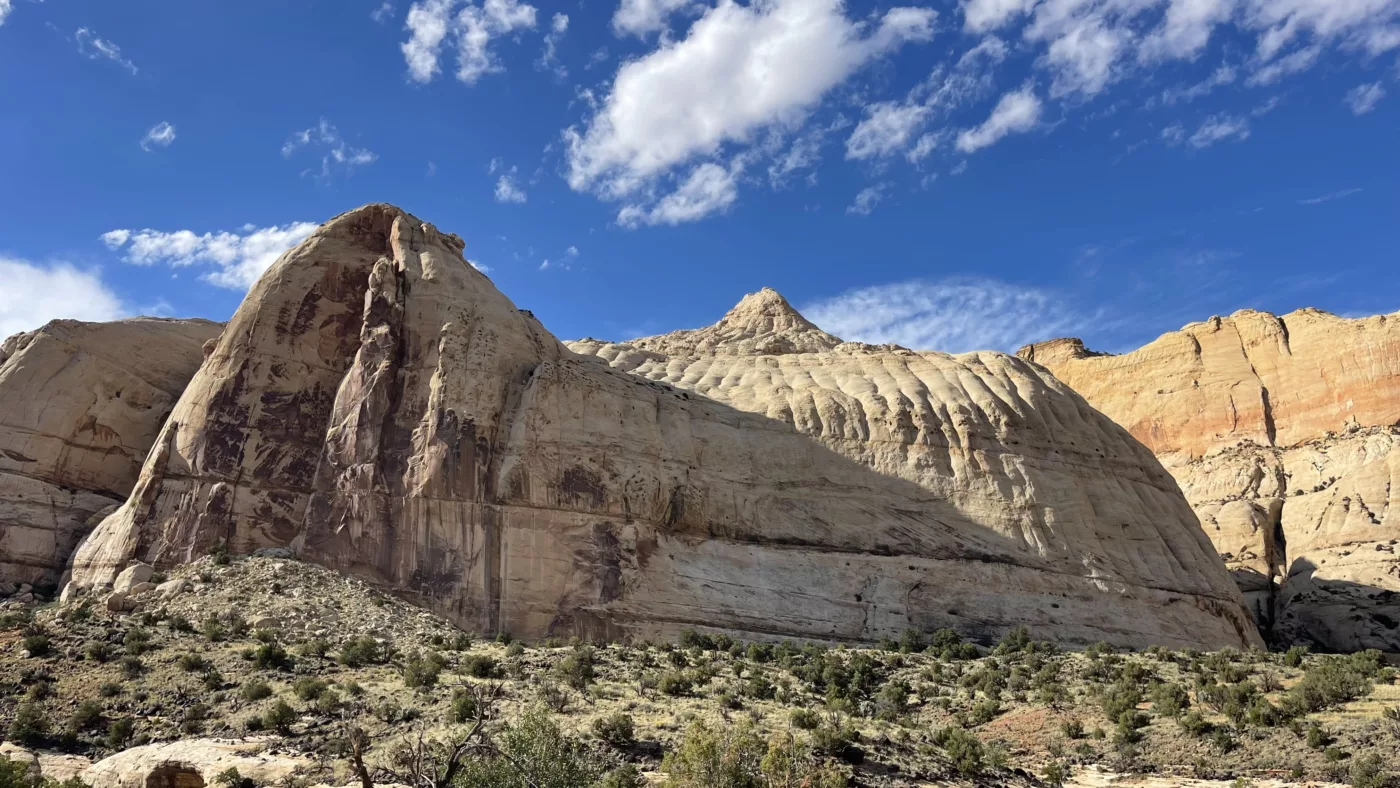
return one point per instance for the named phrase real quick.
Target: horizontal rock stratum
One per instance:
(80, 405)
(1284, 433)
(377, 406)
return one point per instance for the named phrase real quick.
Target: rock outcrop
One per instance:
(1284, 434)
(80, 405)
(378, 407)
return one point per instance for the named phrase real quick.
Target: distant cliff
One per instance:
(1284, 433)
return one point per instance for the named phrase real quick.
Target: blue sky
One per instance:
(948, 175)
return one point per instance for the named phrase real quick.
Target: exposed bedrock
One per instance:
(80, 405)
(377, 406)
(1284, 433)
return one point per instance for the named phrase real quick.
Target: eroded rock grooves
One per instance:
(377, 406)
(1284, 433)
(80, 404)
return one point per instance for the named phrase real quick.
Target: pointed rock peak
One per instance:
(761, 324)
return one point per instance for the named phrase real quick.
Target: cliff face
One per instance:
(80, 404)
(377, 406)
(1284, 434)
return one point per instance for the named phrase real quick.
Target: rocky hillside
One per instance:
(284, 671)
(378, 407)
(1284, 434)
(80, 405)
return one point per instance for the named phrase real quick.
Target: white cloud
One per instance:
(239, 258)
(867, 199)
(1224, 75)
(1220, 128)
(34, 294)
(572, 251)
(4, 10)
(954, 316)
(383, 13)
(95, 47)
(160, 136)
(1086, 45)
(802, 154)
(1364, 98)
(559, 25)
(473, 27)
(888, 128)
(1174, 134)
(339, 155)
(1015, 113)
(1330, 197)
(709, 189)
(740, 70)
(641, 17)
(507, 189)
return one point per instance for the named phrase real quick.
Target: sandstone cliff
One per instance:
(80, 405)
(1284, 433)
(377, 406)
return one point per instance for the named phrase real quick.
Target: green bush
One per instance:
(30, 724)
(1170, 700)
(615, 729)
(361, 651)
(87, 716)
(308, 688)
(192, 663)
(422, 672)
(624, 776)
(120, 732)
(576, 670)
(965, 751)
(36, 645)
(271, 656)
(731, 757)
(675, 683)
(1334, 681)
(480, 666)
(254, 690)
(804, 719)
(1368, 771)
(463, 708)
(98, 651)
(1294, 656)
(280, 717)
(534, 753)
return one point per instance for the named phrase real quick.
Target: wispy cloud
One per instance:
(1015, 113)
(238, 258)
(1330, 197)
(1364, 98)
(383, 13)
(160, 136)
(867, 199)
(98, 48)
(338, 154)
(431, 22)
(952, 315)
(1220, 128)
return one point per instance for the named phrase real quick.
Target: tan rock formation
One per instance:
(1284, 433)
(379, 407)
(80, 405)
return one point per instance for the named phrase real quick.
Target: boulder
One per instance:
(378, 406)
(132, 576)
(191, 763)
(173, 588)
(119, 602)
(1284, 434)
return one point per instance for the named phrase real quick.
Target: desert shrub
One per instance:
(965, 751)
(675, 683)
(87, 716)
(36, 645)
(534, 753)
(759, 652)
(1120, 699)
(1294, 656)
(553, 695)
(892, 701)
(271, 656)
(1055, 774)
(280, 717)
(1194, 723)
(1333, 681)
(834, 737)
(422, 672)
(730, 757)
(480, 666)
(316, 648)
(308, 688)
(1368, 771)
(1016, 641)
(624, 776)
(576, 670)
(191, 662)
(361, 651)
(30, 724)
(137, 641)
(804, 719)
(110, 689)
(1170, 700)
(98, 651)
(911, 641)
(984, 711)
(760, 687)
(1072, 729)
(515, 650)
(463, 708)
(132, 667)
(254, 690)
(120, 732)
(1317, 737)
(615, 729)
